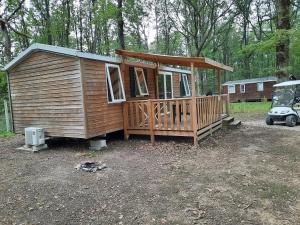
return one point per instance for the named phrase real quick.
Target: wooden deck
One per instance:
(175, 117)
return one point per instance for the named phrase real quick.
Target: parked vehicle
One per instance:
(285, 103)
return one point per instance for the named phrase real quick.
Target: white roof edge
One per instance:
(98, 57)
(59, 50)
(171, 69)
(250, 82)
(287, 83)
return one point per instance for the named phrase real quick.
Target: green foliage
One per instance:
(250, 107)
(3, 86)
(6, 134)
(295, 51)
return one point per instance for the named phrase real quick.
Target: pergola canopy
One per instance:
(201, 62)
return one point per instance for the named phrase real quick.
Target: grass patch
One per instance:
(2, 124)
(91, 154)
(280, 194)
(5, 134)
(277, 191)
(248, 107)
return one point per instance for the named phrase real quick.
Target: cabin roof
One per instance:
(249, 81)
(201, 62)
(172, 69)
(287, 83)
(59, 50)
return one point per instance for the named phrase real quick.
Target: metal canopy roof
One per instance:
(250, 81)
(287, 83)
(59, 50)
(201, 62)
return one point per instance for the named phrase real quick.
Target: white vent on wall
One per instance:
(34, 136)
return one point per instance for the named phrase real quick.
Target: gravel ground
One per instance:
(258, 120)
(240, 176)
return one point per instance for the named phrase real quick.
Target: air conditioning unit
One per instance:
(34, 136)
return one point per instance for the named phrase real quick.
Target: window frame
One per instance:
(109, 87)
(164, 74)
(186, 85)
(138, 81)
(257, 86)
(231, 85)
(244, 90)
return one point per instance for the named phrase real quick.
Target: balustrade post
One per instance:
(151, 119)
(227, 104)
(125, 120)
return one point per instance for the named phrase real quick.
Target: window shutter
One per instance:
(134, 90)
(146, 75)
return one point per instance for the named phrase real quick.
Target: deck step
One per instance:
(226, 121)
(234, 124)
(224, 116)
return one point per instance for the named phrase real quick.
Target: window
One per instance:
(242, 88)
(186, 87)
(115, 88)
(260, 86)
(165, 85)
(141, 81)
(231, 89)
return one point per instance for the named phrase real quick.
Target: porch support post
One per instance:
(219, 86)
(194, 106)
(156, 72)
(124, 104)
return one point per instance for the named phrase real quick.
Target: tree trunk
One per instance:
(106, 38)
(156, 13)
(121, 25)
(282, 47)
(7, 42)
(48, 22)
(68, 24)
(80, 26)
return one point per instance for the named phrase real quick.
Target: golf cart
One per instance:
(285, 104)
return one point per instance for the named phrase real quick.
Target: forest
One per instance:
(257, 37)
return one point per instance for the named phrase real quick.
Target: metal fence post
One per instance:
(6, 116)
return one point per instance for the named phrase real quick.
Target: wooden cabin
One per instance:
(250, 89)
(83, 95)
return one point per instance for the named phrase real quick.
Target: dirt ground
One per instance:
(249, 175)
(258, 120)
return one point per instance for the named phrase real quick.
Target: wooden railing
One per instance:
(208, 110)
(137, 114)
(225, 104)
(172, 116)
(158, 114)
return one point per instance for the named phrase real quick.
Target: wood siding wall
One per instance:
(176, 85)
(251, 93)
(46, 92)
(101, 117)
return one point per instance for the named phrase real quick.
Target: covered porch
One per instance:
(192, 116)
